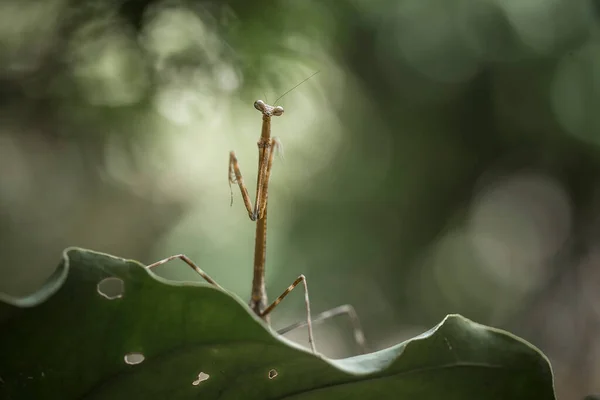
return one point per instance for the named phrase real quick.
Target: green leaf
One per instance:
(67, 341)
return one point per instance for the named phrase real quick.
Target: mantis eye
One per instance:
(278, 110)
(259, 105)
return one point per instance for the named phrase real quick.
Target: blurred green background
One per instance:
(446, 159)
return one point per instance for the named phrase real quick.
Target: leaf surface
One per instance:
(68, 341)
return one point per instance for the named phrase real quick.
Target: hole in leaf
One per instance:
(272, 374)
(201, 378)
(111, 288)
(134, 358)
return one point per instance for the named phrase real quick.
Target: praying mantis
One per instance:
(267, 146)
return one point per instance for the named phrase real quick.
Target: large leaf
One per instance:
(68, 341)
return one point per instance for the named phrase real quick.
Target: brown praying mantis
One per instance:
(267, 147)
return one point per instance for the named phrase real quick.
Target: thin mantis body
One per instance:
(267, 146)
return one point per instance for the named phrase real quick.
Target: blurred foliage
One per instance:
(445, 159)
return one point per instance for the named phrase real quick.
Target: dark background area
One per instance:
(444, 160)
